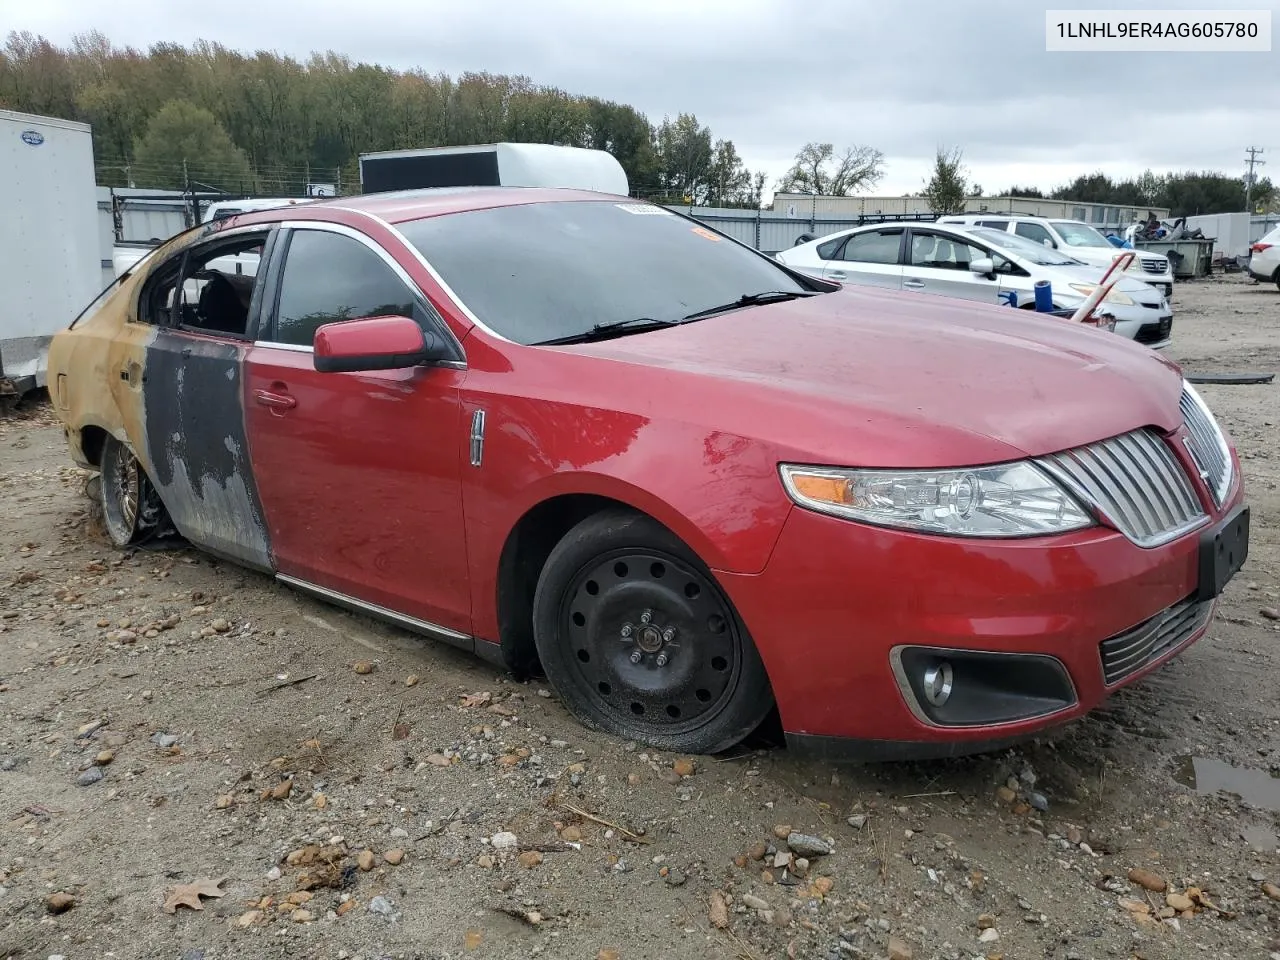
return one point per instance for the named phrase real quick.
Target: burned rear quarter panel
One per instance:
(176, 400)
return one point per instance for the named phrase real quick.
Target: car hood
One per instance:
(881, 378)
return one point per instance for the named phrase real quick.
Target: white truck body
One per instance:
(51, 260)
(493, 165)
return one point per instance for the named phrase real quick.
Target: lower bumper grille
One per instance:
(1155, 332)
(1128, 652)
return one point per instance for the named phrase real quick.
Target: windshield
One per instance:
(1037, 253)
(1079, 234)
(545, 271)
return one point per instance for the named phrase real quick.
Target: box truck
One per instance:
(493, 165)
(50, 253)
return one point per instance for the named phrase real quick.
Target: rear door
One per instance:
(938, 264)
(204, 304)
(869, 258)
(360, 473)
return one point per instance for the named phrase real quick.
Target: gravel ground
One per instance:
(342, 789)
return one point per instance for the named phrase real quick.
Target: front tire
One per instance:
(131, 509)
(640, 641)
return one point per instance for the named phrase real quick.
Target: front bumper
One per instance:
(837, 599)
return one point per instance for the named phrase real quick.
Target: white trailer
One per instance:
(493, 165)
(50, 254)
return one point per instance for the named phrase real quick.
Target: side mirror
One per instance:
(983, 266)
(376, 343)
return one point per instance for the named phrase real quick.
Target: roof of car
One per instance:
(403, 205)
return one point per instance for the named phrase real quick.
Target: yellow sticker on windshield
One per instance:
(704, 232)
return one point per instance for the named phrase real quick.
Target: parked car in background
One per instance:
(1077, 239)
(978, 263)
(582, 434)
(1264, 258)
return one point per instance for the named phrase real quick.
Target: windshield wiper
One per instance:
(751, 300)
(614, 328)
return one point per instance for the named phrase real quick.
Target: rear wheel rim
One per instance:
(652, 642)
(121, 494)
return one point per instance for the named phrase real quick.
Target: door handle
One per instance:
(836, 274)
(913, 284)
(276, 401)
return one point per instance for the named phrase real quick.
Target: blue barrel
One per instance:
(1044, 296)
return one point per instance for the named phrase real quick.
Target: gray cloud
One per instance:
(772, 74)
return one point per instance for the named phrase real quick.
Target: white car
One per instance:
(1264, 259)
(1078, 239)
(978, 264)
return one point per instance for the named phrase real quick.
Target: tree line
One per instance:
(210, 117)
(245, 123)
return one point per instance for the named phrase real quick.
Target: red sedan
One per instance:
(582, 432)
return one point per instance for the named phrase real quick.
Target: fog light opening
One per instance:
(938, 679)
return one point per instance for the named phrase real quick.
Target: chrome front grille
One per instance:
(1132, 650)
(1153, 266)
(1135, 482)
(1207, 445)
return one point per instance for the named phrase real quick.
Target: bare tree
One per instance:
(818, 170)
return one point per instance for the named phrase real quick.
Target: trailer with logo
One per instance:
(50, 255)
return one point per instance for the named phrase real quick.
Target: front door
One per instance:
(202, 304)
(938, 264)
(359, 473)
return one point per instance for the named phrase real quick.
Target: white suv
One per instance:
(1079, 240)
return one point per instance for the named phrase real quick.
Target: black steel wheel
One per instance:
(131, 508)
(639, 640)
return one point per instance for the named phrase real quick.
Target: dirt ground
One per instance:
(225, 729)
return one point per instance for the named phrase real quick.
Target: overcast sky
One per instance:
(903, 76)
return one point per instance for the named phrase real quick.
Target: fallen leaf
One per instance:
(530, 859)
(472, 939)
(345, 907)
(189, 894)
(362, 667)
(281, 790)
(476, 699)
(438, 760)
(718, 914)
(249, 918)
(411, 680)
(1271, 890)
(608, 953)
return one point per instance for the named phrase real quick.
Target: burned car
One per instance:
(583, 434)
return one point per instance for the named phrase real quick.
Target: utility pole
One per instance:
(1251, 161)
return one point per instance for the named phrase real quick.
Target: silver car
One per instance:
(977, 263)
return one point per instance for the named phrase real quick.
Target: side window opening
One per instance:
(942, 252)
(217, 285)
(1036, 233)
(878, 246)
(827, 251)
(328, 278)
(155, 304)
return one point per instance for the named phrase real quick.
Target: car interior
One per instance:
(217, 287)
(213, 286)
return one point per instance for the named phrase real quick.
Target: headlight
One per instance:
(1115, 296)
(1010, 500)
